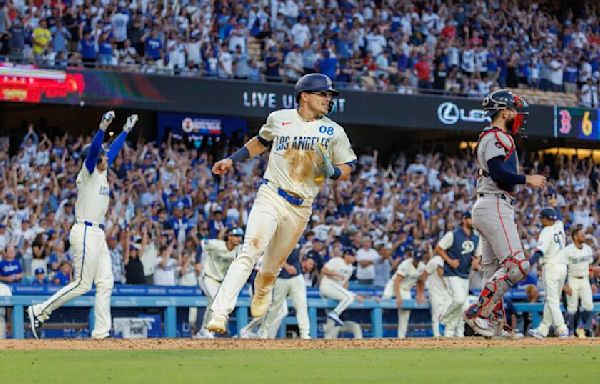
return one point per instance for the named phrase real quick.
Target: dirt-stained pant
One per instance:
(274, 228)
(502, 252)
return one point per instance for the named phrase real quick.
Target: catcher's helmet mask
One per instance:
(503, 99)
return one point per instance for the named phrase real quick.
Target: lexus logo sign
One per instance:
(450, 114)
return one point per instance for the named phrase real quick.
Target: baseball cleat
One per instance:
(247, 334)
(204, 334)
(581, 333)
(261, 300)
(217, 324)
(336, 318)
(535, 333)
(34, 322)
(564, 334)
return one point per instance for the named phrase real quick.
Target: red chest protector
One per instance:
(501, 138)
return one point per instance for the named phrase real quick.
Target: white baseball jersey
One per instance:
(338, 265)
(578, 259)
(409, 273)
(435, 283)
(216, 258)
(92, 196)
(551, 242)
(295, 159)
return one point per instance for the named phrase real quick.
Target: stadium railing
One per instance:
(171, 298)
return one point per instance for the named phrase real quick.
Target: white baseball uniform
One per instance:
(283, 204)
(333, 287)
(438, 293)
(216, 259)
(294, 288)
(4, 291)
(91, 258)
(410, 274)
(551, 242)
(578, 261)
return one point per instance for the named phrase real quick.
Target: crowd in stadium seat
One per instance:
(397, 46)
(385, 212)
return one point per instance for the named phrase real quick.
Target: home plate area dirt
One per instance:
(237, 344)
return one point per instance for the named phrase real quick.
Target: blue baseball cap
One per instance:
(39, 271)
(548, 213)
(236, 232)
(465, 215)
(349, 251)
(418, 255)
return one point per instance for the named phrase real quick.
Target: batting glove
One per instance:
(107, 118)
(131, 120)
(327, 167)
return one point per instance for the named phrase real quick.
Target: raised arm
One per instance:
(90, 160)
(116, 145)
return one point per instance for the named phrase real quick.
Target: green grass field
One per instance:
(559, 364)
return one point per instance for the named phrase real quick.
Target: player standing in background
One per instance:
(458, 249)
(549, 248)
(306, 147)
(579, 257)
(91, 259)
(438, 293)
(290, 283)
(503, 261)
(334, 284)
(409, 274)
(217, 256)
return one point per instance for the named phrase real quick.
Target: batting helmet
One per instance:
(86, 150)
(548, 213)
(502, 99)
(314, 82)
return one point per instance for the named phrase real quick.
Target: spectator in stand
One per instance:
(40, 278)
(41, 37)
(293, 64)
(164, 274)
(240, 64)
(589, 94)
(366, 257)
(88, 49)
(11, 270)
(272, 64)
(63, 276)
(328, 64)
(422, 70)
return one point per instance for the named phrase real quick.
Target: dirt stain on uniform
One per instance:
(301, 164)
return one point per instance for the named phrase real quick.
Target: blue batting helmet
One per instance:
(314, 82)
(86, 150)
(548, 213)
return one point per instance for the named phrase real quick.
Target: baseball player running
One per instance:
(290, 283)
(438, 292)
(503, 261)
(91, 259)
(579, 257)
(410, 273)
(458, 248)
(549, 251)
(306, 147)
(217, 256)
(334, 284)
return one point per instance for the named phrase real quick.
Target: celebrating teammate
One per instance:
(290, 283)
(438, 292)
(306, 148)
(217, 256)
(92, 262)
(334, 284)
(458, 248)
(503, 261)
(579, 257)
(410, 273)
(550, 244)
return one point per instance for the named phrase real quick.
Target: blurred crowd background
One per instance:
(165, 200)
(449, 47)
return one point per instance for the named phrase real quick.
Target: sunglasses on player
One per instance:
(322, 93)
